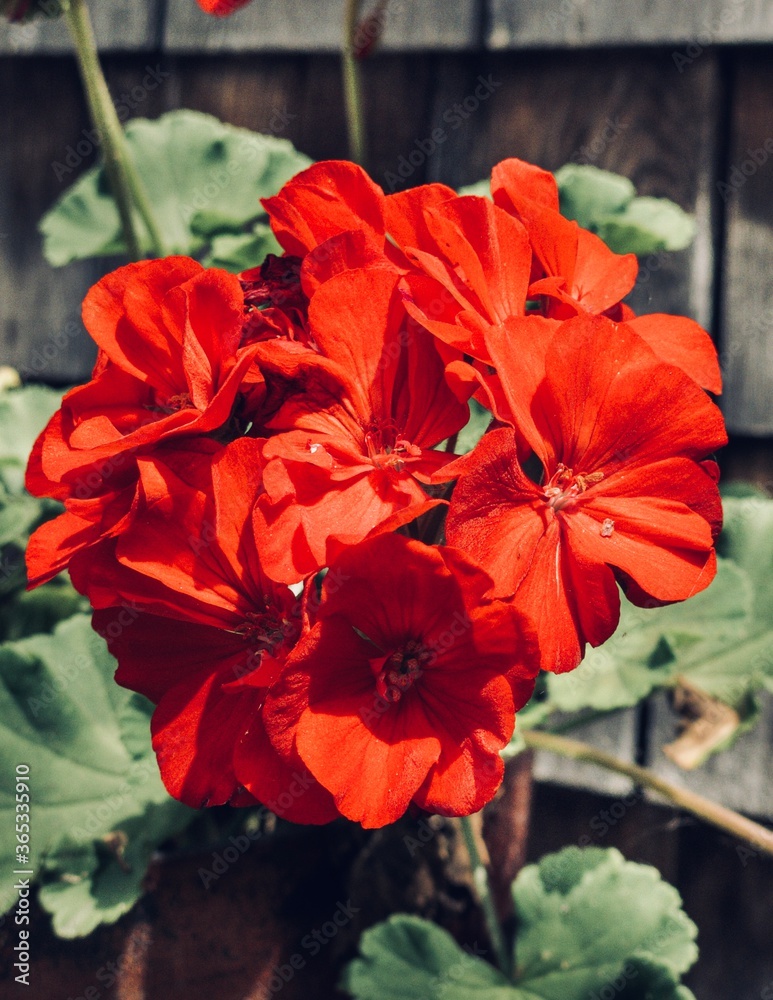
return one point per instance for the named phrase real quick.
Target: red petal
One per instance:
(326, 199)
(656, 539)
(682, 342)
(607, 400)
(195, 729)
(516, 179)
(281, 781)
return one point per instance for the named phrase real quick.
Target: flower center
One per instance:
(400, 670)
(180, 401)
(386, 447)
(265, 629)
(564, 487)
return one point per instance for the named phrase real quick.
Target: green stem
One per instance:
(352, 80)
(481, 881)
(123, 179)
(711, 812)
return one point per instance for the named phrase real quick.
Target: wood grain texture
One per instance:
(300, 98)
(44, 146)
(311, 26)
(738, 777)
(747, 189)
(582, 23)
(629, 112)
(615, 734)
(120, 25)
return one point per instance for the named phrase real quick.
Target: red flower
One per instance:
(492, 262)
(197, 628)
(575, 271)
(351, 452)
(169, 369)
(405, 689)
(578, 270)
(337, 199)
(623, 495)
(221, 8)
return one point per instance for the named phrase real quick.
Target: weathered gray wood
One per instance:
(739, 777)
(747, 189)
(615, 734)
(301, 99)
(582, 23)
(119, 25)
(620, 111)
(44, 146)
(311, 26)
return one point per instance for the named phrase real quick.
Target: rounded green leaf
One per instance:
(202, 177)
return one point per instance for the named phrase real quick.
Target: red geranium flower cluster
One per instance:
(262, 469)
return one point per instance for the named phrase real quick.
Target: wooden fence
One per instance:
(678, 97)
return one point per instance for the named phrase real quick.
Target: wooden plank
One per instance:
(738, 777)
(300, 98)
(692, 27)
(747, 189)
(121, 25)
(44, 145)
(40, 331)
(309, 26)
(615, 734)
(620, 111)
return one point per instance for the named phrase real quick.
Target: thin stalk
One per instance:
(124, 181)
(711, 812)
(352, 81)
(483, 888)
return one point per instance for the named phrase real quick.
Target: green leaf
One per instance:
(588, 194)
(237, 253)
(24, 412)
(63, 716)
(645, 226)
(96, 886)
(203, 179)
(732, 669)
(474, 429)
(407, 958)
(480, 188)
(585, 914)
(587, 922)
(649, 647)
(29, 612)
